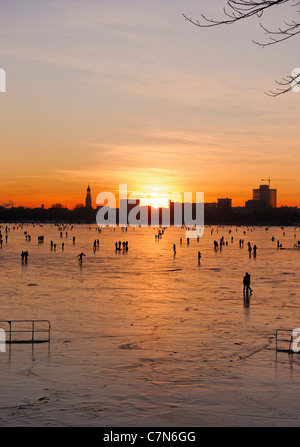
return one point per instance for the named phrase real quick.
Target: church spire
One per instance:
(88, 198)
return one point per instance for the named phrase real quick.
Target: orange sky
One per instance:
(131, 93)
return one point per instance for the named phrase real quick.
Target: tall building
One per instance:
(265, 194)
(88, 198)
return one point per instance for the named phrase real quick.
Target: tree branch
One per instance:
(237, 10)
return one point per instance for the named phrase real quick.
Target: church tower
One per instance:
(88, 199)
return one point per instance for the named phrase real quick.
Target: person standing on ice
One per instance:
(80, 257)
(246, 283)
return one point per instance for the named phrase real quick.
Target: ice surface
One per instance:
(146, 338)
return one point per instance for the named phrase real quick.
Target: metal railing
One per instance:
(284, 340)
(13, 329)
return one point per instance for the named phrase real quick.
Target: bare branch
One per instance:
(243, 9)
(237, 10)
(286, 85)
(291, 30)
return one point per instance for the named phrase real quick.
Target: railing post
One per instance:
(26, 331)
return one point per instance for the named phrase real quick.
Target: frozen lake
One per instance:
(146, 338)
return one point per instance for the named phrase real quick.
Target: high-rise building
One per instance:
(88, 198)
(267, 195)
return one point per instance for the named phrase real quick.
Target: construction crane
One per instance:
(277, 180)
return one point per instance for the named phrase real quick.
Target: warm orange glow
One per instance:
(155, 202)
(139, 118)
(158, 196)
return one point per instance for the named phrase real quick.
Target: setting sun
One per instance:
(156, 201)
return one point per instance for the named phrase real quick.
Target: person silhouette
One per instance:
(246, 283)
(24, 256)
(80, 256)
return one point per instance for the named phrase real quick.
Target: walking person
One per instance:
(80, 256)
(246, 283)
